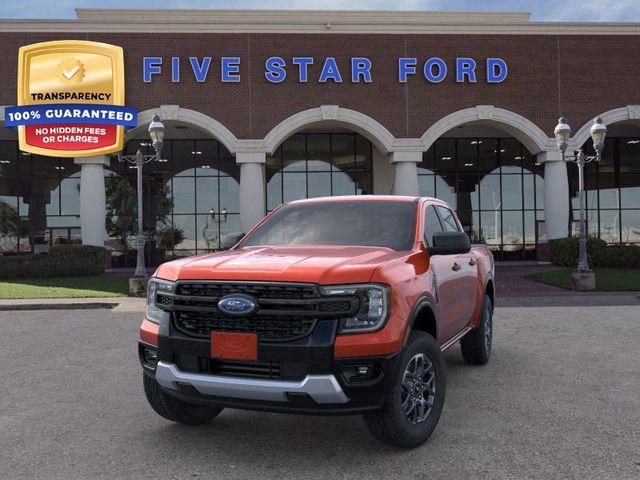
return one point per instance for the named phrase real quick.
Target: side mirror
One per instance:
(450, 243)
(231, 239)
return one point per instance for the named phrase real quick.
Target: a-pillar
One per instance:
(406, 172)
(93, 208)
(252, 194)
(556, 194)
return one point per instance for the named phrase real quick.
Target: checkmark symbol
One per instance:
(71, 73)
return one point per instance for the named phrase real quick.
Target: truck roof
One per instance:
(362, 198)
(357, 198)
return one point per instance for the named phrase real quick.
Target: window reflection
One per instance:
(201, 182)
(612, 191)
(495, 187)
(39, 200)
(311, 165)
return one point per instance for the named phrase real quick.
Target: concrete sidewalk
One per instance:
(117, 304)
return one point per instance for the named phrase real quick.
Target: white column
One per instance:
(252, 194)
(406, 172)
(556, 194)
(93, 208)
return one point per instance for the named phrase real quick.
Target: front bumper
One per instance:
(322, 389)
(308, 378)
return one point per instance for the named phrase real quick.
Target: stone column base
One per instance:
(583, 281)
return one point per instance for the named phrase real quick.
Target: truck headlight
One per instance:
(374, 306)
(155, 289)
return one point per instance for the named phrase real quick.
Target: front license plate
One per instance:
(235, 346)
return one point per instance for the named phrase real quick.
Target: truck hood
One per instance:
(309, 264)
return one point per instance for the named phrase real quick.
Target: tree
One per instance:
(122, 208)
(169, 237)
(9, 221)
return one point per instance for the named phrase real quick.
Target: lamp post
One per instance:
(156, 133)
(562, 133)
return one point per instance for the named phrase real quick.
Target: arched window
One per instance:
(194, 189)
(317, 165)
(495, 187)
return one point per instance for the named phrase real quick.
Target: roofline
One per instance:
(266, 15)
(310, 21)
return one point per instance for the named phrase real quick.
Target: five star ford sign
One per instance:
(71, 99)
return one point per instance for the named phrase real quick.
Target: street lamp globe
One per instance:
(156, 132)
(562, 133)
(598, 132)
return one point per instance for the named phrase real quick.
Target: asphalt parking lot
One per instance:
(559, 399)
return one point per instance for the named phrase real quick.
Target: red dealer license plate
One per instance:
(235, 346)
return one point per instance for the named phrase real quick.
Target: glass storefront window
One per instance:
(612, 191)
(494, 185)
(311, 165)
(195, 188)
(630, 225)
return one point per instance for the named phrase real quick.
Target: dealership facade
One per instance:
(264, 107)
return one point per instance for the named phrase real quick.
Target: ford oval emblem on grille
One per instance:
(237, 305)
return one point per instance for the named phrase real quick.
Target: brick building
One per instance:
(263, 107)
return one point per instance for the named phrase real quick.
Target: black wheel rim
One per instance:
(418, 388)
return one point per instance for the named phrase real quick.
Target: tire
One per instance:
(391, 425)
(476, 345)
(176, 410)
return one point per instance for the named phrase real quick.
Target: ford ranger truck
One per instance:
(339, 305)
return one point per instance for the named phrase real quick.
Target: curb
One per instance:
(57, 306)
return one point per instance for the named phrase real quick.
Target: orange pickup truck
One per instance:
(339, 305)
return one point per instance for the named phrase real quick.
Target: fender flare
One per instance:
(489, 279)
(424, 301)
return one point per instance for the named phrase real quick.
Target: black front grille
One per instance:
(257, 290)
(285, 311)
(268, 327)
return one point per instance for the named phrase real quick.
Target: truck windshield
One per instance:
(363, 223)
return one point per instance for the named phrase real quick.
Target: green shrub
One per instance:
(618, 256)
(564, 252)
(61, 261)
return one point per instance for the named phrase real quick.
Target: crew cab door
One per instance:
(455, 275)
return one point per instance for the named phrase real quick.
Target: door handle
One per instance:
(456, 267)
(473, 262)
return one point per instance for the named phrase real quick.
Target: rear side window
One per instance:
(449, 222)
(431, 225)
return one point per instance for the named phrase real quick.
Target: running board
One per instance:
(453, 340)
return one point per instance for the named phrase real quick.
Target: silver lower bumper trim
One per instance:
(321, 388)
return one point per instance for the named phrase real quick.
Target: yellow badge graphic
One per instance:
(71, 99)
(70, 71)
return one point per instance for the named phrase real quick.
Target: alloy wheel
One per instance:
(418, 388)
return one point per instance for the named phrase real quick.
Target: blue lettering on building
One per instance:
(360, 68)
(301, 69)
(230, 69)
(175, 69)
(275, 71)
(151, 66)
(330, 71)
(496, 70)
(406, 66)
(465, 69)
(200, 70)
(435, 70)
